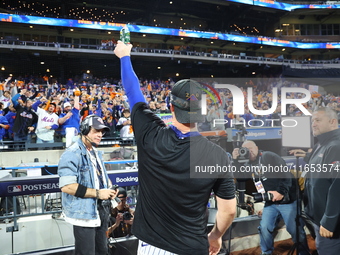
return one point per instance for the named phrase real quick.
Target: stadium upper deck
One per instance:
(250, 23)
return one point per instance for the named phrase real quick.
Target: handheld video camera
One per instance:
(262, 197)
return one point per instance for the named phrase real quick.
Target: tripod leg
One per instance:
(299, 231)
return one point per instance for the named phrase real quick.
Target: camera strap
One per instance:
(257, 173)
(259, 187)
(258, 184)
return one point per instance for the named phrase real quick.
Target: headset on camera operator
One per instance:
(276, 189)
(85, 186)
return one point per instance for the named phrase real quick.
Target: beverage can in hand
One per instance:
(125, 35)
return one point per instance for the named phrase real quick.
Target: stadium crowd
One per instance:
(51, 110)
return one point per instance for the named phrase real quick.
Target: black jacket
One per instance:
(24, 118)
(322, 186)
(282, 182)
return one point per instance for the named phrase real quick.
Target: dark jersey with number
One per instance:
(171, 207)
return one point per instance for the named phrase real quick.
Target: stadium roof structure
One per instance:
(239, 28)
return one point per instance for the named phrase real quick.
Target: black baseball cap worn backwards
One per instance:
(186, 96)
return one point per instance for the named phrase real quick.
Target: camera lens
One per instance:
(257, 197)
(265, 197)
(127, 216)
(262, 197)
(243, 151)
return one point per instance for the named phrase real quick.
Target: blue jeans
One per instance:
(271, 216)
(326, 246)
(21, 137)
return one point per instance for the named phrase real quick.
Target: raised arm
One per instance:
(39, 102)
(16, 97)
(77, 94)
(129, 78)
(6, 83)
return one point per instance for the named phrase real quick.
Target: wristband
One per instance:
(81, 191)
(97, 193)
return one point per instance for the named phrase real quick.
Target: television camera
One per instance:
(243, 158)
(238, 140)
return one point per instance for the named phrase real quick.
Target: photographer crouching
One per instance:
(275, 188)
(121, 217)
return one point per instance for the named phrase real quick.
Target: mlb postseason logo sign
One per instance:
(35, 187)
(14, 188)
(29, 186)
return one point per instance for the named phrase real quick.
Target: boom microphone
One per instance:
(91, 142)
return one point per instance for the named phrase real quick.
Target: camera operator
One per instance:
(85, 186)
(122, 217)
(277, 190)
